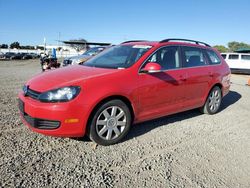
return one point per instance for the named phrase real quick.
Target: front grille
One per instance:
(33, 94)
(37, 122)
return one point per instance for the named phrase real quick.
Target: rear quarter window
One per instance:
(213, 57)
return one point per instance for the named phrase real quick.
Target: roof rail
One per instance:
(133, 41)
(187, 40)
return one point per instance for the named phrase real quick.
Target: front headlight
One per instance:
(60, 95)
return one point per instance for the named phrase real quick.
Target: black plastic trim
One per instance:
(187, 40)
(240, 71)
(37, 122)
(33, 94)
(133, 41)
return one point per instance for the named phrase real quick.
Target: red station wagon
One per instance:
(129, 83)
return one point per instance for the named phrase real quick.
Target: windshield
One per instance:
(118, 56)
(93, 51)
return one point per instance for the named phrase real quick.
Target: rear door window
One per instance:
(214, 59)
(193, 57)
(233, 56)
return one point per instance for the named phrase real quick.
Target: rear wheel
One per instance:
(213, 101)
(110, 123)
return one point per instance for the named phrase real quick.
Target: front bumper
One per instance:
(53, 118)
(36, 122)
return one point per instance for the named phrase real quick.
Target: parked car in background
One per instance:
(20, 55)
(12, 55)
(34, 55)
(84, 57)
(26, 56)
(128, 83)
(238, 62)
(1, 55)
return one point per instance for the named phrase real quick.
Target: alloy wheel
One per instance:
(214, 100)
(111, 123)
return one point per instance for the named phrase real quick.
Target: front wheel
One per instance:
(110, 123)
(213, 101)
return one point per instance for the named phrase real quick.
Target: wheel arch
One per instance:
(109, 98)
(217, 84)
(214, 85)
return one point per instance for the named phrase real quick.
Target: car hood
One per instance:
(66, 76)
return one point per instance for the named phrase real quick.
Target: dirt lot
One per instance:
(184, 150)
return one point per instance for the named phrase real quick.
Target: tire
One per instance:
(213, 101)
(110, 123)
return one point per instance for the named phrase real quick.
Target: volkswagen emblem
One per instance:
(25, 90)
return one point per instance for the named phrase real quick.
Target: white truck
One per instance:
(238, 62)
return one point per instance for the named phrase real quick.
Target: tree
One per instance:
(221, 48)
(14, 45)
(4, 46)
(236, 45)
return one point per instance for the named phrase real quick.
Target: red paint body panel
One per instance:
(65, 76)
(151, 95)
(59, 112)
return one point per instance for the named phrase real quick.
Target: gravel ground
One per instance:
(184, 150)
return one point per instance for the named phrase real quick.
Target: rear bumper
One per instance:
(53, 118)
(226, 83)
(225, 91)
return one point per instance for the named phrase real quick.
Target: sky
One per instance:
(212, 21)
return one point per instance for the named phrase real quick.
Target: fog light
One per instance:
(72, 120)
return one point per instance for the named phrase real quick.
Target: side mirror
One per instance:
(152, 67)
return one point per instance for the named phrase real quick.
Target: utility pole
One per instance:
(44, 42)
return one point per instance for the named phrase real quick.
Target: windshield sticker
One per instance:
(142, 46)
